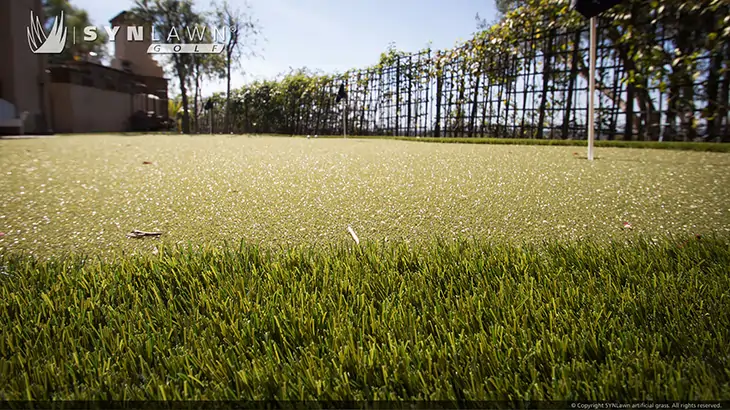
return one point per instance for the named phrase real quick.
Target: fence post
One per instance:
(475, 102)
(344, 117)
(427, 105)
(397, 95)
(410, 89)
(439, 86)
(592, 91)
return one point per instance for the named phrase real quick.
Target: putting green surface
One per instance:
(85, 193)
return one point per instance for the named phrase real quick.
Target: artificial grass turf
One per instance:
(450, 321)
(550, 300)
(84, 193)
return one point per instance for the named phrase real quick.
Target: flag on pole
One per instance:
(592, 8)
(342, 94)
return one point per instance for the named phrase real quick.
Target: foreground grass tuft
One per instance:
(465, 320)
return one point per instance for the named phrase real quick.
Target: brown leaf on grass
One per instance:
(146, 163)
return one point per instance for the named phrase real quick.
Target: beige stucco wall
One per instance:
(77, 108)
(136, 53)
(23, 79)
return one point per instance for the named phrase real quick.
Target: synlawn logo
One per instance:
(54, 42)
(39, 42)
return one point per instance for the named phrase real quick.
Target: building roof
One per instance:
(81, 65)
(119, 18)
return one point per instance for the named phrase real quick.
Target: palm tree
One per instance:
(175, 108)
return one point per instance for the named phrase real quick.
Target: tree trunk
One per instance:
(327, 127)
(227, 124)
(724, 100)
(571, 84)
(318, 121)
(508, 100)
(670, 131)
(247, 116)
(475, 102)
(614, 109)
(500, 86)
(546, 72)
(686, 100)
(614, 97)
(632, 121)
(713, 96)
(184, 95)
(531, 61)
(294, 123)
(650, 115)
(362, 124)
(195, 123)
(460, 107)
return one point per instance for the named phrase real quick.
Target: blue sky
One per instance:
(335, 35)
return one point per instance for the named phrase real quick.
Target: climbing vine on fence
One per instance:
(663, 72)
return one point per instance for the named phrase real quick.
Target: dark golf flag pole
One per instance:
(590, 9)
(342, 95)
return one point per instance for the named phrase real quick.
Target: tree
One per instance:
(674, 47)
(174, 107)
(205, 66)
(76, 20)
(241, 39)
(505, 6)
(172, 16)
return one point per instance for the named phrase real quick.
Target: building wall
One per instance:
(77, 108)
(7, 71)
(134, 53)
(23, 78)
(82, 97)
(89, 97)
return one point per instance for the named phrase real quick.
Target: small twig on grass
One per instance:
(141, 234)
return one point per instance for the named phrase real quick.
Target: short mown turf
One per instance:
(463, 320)
(84, 193)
